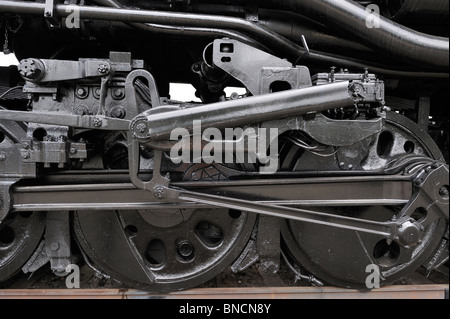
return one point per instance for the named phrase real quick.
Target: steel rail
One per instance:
(434, 291)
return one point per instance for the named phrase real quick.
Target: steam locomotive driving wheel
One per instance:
(164, 249)
(20, 233)
(345, 257)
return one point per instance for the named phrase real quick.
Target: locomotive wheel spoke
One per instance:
(339, 256)
(178, 250)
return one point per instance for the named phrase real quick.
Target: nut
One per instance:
(103, 68)
(97, 122)
(158, 191)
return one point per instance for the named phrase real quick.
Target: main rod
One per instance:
(246, 111)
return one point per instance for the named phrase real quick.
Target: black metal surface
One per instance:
(174, 22)
(434, 11)
(390, 37)
(164, 250)
(162, 18)
(356, 184)
(345, 254)
(20, 234)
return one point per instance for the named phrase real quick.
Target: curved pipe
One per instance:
(391, 38)
(188, 20)
(314, 56)
(169, 19)
(182, 30)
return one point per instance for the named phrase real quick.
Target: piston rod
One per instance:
(152, 125)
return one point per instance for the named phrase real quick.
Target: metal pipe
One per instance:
(249, 110)
(167, 20)
(386, 36)
(260, 33)
(288, 24)
(183, 30)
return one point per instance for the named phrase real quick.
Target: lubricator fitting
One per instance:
(31, 69)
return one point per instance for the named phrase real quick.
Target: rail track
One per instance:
(391, 292)
(251, 284)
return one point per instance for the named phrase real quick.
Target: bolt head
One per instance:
(159, 191)
(25, 154)
(118, 93)
(118, 112)
(97, 122)
(185, 248)
(141, 128)
(103, 68)
(54, 246)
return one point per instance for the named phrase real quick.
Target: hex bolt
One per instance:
(97, 122)
(234, 96)
(54, 246)
(118, 112)
(81, 110)
(60, 269)
(25, 154)
(2, 157)
(97, 92)
(159, 191)
(118, 93)
(82, 92)
(185, 248)
(103, 68)
(73, 150)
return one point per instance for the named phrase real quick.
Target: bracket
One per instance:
(256, 69)
(57, 241)
(49, 12)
